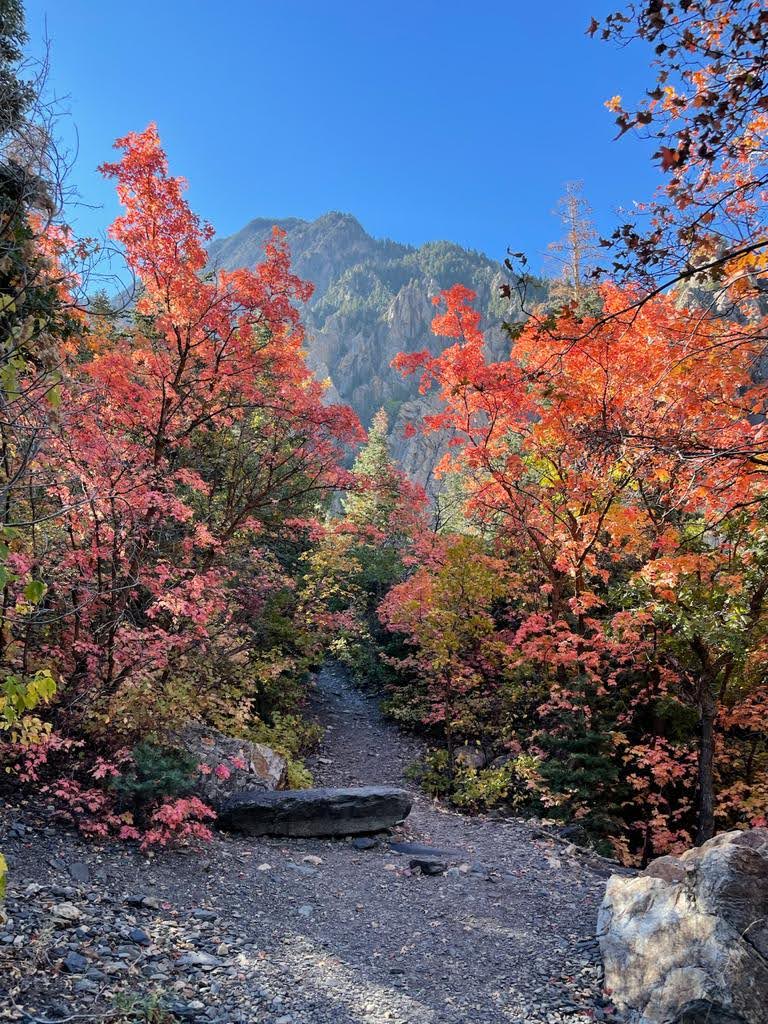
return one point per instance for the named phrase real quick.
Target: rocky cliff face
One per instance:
(372, 300)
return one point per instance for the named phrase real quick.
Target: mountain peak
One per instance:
(338, 217)
(372, 300)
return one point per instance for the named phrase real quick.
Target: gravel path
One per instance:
(306, 931)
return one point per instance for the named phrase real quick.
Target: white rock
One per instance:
(65, 914)
(695, 929)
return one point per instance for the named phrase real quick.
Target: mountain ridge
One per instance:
(373, 299)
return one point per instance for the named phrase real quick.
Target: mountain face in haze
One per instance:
(372, 300)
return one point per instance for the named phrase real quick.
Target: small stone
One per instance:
(63, 890)
(204, 960)
(65, 914)
(79, 871)
(313, 860)
(75, 963)
(364, 843)
(306, 911)
(204, 915)
(86, 986)
(185, 1011)
(420, 850)
(479, 869)
(428, 866)
(139, 936)
(300, 869)
(264, 867)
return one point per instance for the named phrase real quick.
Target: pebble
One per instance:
(65, 914)
(204, 915)
(75, 963)
(204, 960)
(301, 869)
(79, 871)
(85, 985)
(428, 866)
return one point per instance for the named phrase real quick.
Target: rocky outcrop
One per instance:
(315, 812)
(372, 300)
(227, 765)
(691, 933)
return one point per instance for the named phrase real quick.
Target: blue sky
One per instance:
(426, 119)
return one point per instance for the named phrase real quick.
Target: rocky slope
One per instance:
(372, 300)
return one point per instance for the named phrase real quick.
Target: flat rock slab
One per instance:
(315, 812)
(430, 852)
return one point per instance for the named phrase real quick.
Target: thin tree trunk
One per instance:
(707, 710)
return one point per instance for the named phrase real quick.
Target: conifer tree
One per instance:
(372, 507)
(575, 252)
(375, 498)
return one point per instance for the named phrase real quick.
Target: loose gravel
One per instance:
(307, 931)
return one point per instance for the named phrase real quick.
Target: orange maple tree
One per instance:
(642, 572)
(189, 434)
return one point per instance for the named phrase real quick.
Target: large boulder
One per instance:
(315, 812)
(227, 765)
(691, 932)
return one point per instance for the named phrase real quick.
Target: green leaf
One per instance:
(8, 378)
(35, 591)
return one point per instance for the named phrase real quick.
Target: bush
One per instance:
(479, 789)
(156, 773)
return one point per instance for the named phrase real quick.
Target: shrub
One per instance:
(178, 821)
(479, 789)
(155, 773)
